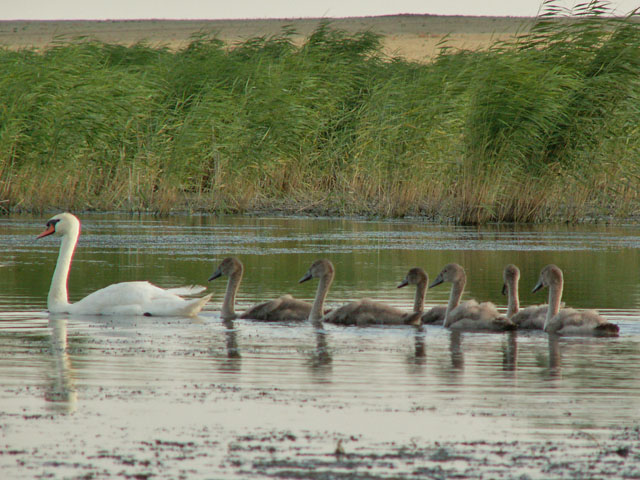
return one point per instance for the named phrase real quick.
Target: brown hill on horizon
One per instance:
(415, 37)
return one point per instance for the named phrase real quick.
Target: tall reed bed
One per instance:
(543, 126)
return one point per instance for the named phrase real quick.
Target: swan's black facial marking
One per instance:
(147, 314)
(51, 228)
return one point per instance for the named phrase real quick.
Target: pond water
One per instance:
(140, 397)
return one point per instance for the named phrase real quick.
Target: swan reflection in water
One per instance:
(555, 369)
(61, 393)
(231, 339)
(231, 361)
(420, 347)
(417, 359)
(510, 352)
(320, 360)
(455, 348)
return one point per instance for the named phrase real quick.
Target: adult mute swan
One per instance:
(469, 316)
(365, 311)
(568, 321)
(532, 317)
(126, 298)
(284, 308)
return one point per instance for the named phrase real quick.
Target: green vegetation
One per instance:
(546, 126)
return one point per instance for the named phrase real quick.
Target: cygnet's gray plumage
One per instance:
(365, 311)
(284, 308)
(469, 316)
(531, 317)
(435, 315)
(568, 321)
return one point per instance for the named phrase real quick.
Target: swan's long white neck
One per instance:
(58, 291)
(555, 297)
(317, 309)
(229, 302)
(457, 288)
(513, 302)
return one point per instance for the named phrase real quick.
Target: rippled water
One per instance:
(202, 398)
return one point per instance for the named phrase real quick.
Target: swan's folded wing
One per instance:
(366, 312)
(570, 321)
(187, 290)
(434, 315)
(135, 298)
(103, 301)
(532, 317)
(284, 308)
(261, 311)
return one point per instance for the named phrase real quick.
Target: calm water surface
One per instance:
(102, 394)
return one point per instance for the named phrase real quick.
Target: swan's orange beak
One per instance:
(50, 229)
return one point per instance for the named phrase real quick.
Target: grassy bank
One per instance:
(544, 126)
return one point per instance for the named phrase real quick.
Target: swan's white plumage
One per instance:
(126, 298)
(186, 290)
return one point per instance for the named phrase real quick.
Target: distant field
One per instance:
(415, 37)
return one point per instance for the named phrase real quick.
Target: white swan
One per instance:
(365, 311)
(568, 321)
(531, 317)
(469, 316)
(284, 308)
(127, 298)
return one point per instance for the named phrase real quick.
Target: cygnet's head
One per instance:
(318, 269)
(416, 276)
(229, 266)
(510, 277)
(451, 272)
(550, 276)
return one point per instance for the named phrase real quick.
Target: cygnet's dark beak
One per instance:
(216, 274)
(306, 277)
(538, 286)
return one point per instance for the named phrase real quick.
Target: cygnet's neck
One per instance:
(421, 291)
(229, 303)
(513, 301)
(457, 287)
(555, 297)
(317, 309)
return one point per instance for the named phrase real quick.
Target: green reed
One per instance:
(544, 126)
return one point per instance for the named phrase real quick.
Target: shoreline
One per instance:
(608, 220)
